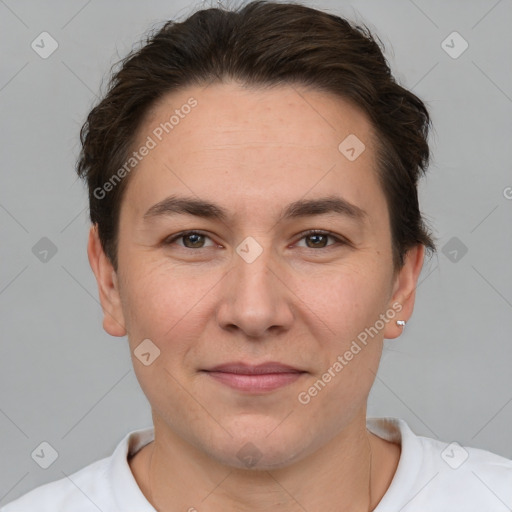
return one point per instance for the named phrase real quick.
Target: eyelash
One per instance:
(310, 232)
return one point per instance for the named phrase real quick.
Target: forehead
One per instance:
(248, 145)
(243, 111)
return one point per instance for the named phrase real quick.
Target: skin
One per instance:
(298, 303)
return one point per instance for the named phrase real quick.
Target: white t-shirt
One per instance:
(432, 476)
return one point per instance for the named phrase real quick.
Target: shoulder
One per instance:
(107, 485)
(435, 475)
(82, 491)
(483, 478)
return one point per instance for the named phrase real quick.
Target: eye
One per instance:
(196, 239)
(319, 238)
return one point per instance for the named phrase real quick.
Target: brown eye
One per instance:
(319, 239)
(196, 240)
(191, 240)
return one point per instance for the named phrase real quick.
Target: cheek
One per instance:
(161, 299)
(347, 298)
(165, 302)
(349, 303)
(164, 306)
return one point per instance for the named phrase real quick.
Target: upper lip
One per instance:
(250, 369)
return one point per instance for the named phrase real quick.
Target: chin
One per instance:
(260, 448)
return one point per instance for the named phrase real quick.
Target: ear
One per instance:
(404, 290)
(108, 287)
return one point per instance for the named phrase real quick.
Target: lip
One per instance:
(251, 369)
(255, 378)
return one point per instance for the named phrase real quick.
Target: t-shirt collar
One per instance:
(128, 495)
(126, 491)
(411, 459)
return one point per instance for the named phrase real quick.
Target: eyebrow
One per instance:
(175, 205)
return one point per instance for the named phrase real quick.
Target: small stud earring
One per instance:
(401, 323)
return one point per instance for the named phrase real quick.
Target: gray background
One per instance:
(65, 381)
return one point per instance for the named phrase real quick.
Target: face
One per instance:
(252, 285)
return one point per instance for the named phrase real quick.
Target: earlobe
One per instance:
(404, 291)
(108, 286)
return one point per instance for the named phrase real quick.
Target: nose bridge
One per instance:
(252, 263)
(254, 299)
(254, 284)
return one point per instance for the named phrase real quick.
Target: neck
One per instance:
(350, 472)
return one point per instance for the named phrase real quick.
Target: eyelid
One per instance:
(172, 238)
(340, 240)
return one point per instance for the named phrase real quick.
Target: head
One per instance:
(260, 124)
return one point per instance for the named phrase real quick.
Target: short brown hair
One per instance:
(263, 43)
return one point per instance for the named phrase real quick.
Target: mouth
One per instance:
(255, 378)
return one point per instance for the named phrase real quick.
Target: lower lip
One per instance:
(263, 382)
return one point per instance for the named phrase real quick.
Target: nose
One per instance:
(256, 298)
